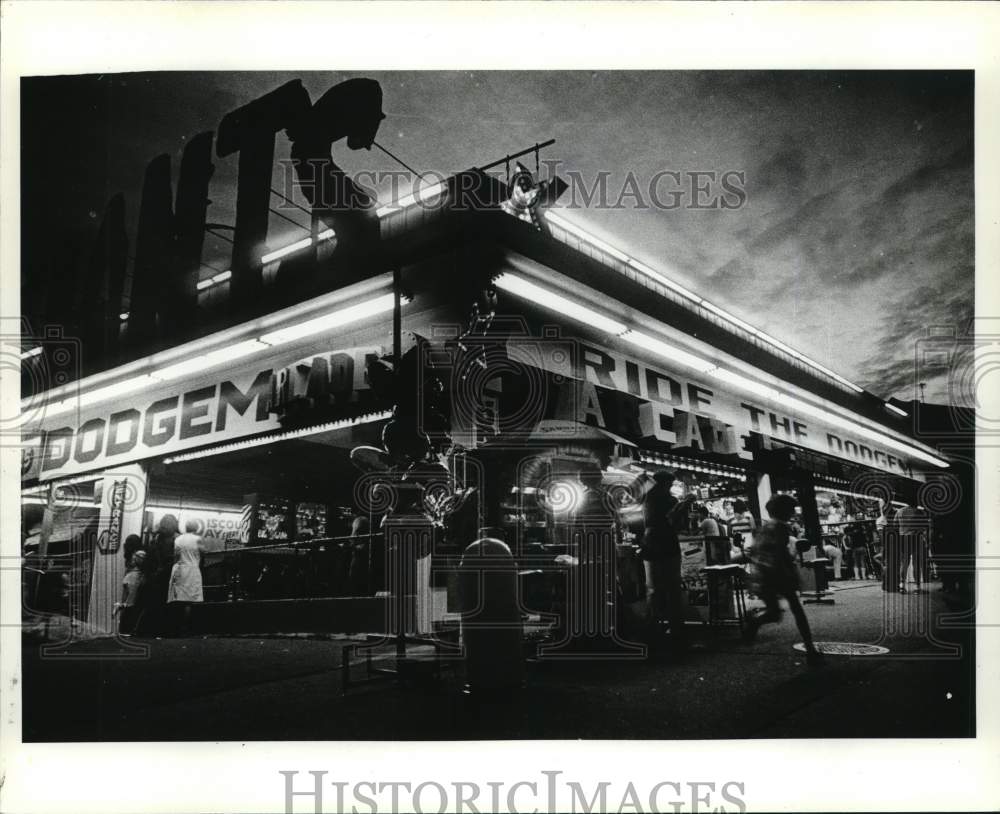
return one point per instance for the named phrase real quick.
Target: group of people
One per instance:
(906, 534)
(162, 580)
(773, 570)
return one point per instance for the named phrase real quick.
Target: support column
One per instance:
(123, 500)
(810, 511)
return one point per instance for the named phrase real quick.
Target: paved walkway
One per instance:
(290, 688)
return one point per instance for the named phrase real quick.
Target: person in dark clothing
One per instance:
(159, 563)
(892, 550)
(775, 574)
(661, 553)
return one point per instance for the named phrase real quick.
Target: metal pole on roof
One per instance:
(397, 355)
(397, 320)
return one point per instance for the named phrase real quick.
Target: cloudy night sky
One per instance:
(856, 235)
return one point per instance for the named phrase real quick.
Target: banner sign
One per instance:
(110, 542)
(642, 402)
(235, 405)
(218, 529)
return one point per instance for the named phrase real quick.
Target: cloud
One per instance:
(785, 170)
(896, 365)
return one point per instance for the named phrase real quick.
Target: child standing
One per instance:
(131, 586)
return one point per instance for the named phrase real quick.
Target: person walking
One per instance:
(775, 575)
(661, 554)
(185, 576)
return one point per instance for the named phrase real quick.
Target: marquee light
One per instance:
(281, 436)
(585, 236)
(549, 299)
(298, 245)
(327, 322)
(110, 391)
(209, 360)
(221, 356)
(277, 254)
(423, 194)
(671, 352)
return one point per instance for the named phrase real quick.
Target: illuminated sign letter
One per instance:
(231, 396)
(195, 406)
(156, 433)
(94, 431)
(132, 419)
(57, 447)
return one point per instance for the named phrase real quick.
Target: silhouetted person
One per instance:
(775, 574)
(913, 528)
(661, 552)
(159, 563)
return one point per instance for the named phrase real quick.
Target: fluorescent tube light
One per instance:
(747, 385)
(298, 245)
(895, 409)
(203, 284)
(222, 277)
(671, 352)
(208, 360)
(327, 322)
(326, 235)
(529, 291)
(423, 194)
(111, 391)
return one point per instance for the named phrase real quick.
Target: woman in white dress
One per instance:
(185, 577)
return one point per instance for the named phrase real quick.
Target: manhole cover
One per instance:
(846, 649)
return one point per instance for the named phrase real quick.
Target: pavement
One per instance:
(289, 688)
